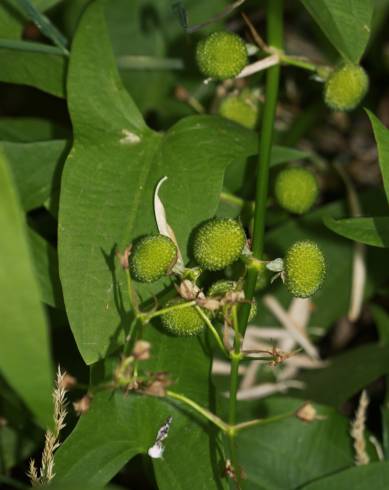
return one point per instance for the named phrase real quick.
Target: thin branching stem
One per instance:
(213, 331)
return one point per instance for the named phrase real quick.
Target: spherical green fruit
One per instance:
(218, 243)
(305, 268)
(224, 286)
(182, 322)
(152, 257)
(242, 109)
(345, 87)
(221, 55)
(296, 189)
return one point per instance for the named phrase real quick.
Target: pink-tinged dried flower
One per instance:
(141, 350)
(82, 405)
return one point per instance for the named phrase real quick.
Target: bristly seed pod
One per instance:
(152, 257)
(182, 322)
(221, 55)
(218, 243)
(305, 269)
(345, 87)
(296, 189)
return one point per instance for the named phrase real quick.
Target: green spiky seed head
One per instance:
(183, 322)
(241, 108)
(221, 55)
(345, 87)
(152, 257)
(296, 189)
(218, 243)
(224, 286)
(305, 269)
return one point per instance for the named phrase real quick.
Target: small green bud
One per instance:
(224, 286)
(218, 243)
(152, 257)
(242, 109)
(345, 87)
(221, 55)
(305, 269)
(183, 322)
(296, 189)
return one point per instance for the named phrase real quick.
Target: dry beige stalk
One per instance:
(46, 471)
(358, 430)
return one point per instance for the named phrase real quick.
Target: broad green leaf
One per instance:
(36, 169)
(381, 134)
(289, 453)
(346, 23)
(346, 374)
(366, 477)
(24, 346)
(44, 71)
(45, 261)
(109, 180)
(118, 426)
(29, 129)
(371, 231)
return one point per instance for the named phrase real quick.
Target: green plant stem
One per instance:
(213, 331)
(274, 39)
(270, 420)
(146, 317)
(201, 410)
(236, 357)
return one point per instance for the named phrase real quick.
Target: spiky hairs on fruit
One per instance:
(221, 55)
(345, 87)
(152, 257)
(305, 269)
(296, 189)
(218, 243)
(241, 108)
(183, 322)
(224, 286)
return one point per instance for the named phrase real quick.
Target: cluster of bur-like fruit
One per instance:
(223, 55)
(217, 244)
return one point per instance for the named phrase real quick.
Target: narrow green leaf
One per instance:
(44, 71)
(28, 46)
(346, 23)
(381, 134)
(109, 180)
(24, 346)
(371, 231)
(36, 169)
(366, 477)
(44, 24)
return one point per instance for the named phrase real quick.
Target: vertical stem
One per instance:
(234, 381)
(274, 39)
